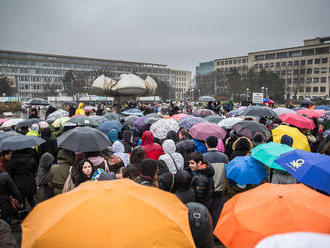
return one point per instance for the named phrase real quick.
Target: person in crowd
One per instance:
(85, 171)
(50, 145)
(130, 171)
(166, 182)
(173, 136)
(113, 135)
(257, 140)
(34, 131)
(200, 146)
(22, 167)
(182, 182)
(33, 113)
(50, 110)
(45, 163)
(153, 150)
(137, 156)
(213, 155)
(97, 160)
(326, 149)
(72, 111)
(148, 173)
(127, 141)
(202, 181)
(241, 147)
(6, 238)
(80, 110)
(185, 146)
(4, 159)
(173, 160)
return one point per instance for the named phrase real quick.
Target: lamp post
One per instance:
(266, 92)
(247, 94)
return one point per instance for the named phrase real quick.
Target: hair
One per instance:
(137, 155)
(326, 149)
(196, 156)
(82, 176)
(184, 132)
(130, 171)
(212, 141)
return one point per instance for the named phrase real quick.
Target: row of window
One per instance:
(39, 79)
(309, 89)
(292, 63)
(232, 61)
(307, 80)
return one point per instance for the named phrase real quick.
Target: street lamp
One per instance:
(266, 92)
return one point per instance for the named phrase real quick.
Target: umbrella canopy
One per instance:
(38, 101)
(311, 113)
(83, 139)
(229, 122)
(324, 107)
(309, 168)
(190, 121)
(237, 112)
(160, 128)
(297, 120)
(27, 123)
(271, 209)
(214, 118)
(299, 140)
(250, 129)
(140, 124)
(260, 111)
(267, 153)
(83, 121)
(12, 122)
(202, 131)
(178, 117)
(19, 142)
(143, 217)
(206, 99)
(152, 119)
(134, 111)
(3, 120)
(105, 127)
(246, 170)
(281, 111)
(58, 114)
(130, 119)
(90, 108)
(203, 112)
(98, 119)
(43, 124)
(59, 122)
(4, 135)
(112, 116)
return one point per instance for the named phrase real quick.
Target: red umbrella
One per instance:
(297, 120)
(203, 130)
(178, 117)
(311, 113)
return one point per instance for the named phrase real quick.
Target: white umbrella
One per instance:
(280, 111)
(130, 84)
(12, 122)
(57, 114)
(229, 122)
(161, 127)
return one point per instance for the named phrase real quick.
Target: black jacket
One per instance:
(185, 147)
(203, 185)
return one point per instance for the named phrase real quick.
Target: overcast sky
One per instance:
(179, 33)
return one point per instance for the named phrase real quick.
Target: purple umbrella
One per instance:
(202, 131)
(141, 125)
(203, 112)
(190, 121)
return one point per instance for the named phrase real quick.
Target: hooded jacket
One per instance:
(185, 147)
(127, 135)
(173, 160)
(80, 110)
(45, 163)
(113, 135)
(153, 150)
(50, 145)
(182, 182)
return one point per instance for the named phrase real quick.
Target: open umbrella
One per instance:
(237, 112)
(160, 128)
(323, 107)
(299, 140)
(202, 131)
(246, 170)
(139, 217)
(140, 124)
(105, 127)
(90, 108)
(297, 120)
(152, 119)
(272, 209)
(38, 101)
(43, 124)
(4, 135)
(112, 116)
(130, 119)
(310, 168)
(97, 118)
(178, 117)
(206, 99)
(58, 114)
(311, 113)
(3, 121)
(59, 122)
(250, 129)
(267, 153)
(203, 112)
(281, 111)
(19, 142)
(83, 139)
(12, 122)
(260, 111)
(214, 118)
(190, 121)
(229, 122)
(83, 121)
(27, 123)
(134, 111)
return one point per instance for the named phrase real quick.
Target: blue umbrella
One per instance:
(309, 168)
(134, 111)
(105, 127)
(246, 170)
(324, 107)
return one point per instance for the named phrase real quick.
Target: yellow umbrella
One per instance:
(119, 213)
(59, 122)
(299, 140)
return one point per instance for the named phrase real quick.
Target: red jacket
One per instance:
(153, 150)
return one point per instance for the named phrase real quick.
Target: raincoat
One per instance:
(153, 150)
(80, 110)
(173, 160)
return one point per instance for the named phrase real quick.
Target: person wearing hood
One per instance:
(137, 156)
(33, 114)
(80, 110)
(50, 110)
(182, 182)
(100, 110)
(85, 171)
(173, 160)
(113, 135)
(200, 146)
(173, 136)
(202, 181)
(60, 171)
(185, 146)
(127, 141)
(34, 131)
(148, 173)
(119, 150)
(45, 163)
(22, 168)
(50, 145)
(153, 150)
(241, 147)
(166, 182)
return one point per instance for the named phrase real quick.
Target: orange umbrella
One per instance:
(178, 117)
(272, 209)
(119, 213)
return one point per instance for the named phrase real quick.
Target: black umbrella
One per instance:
(19, 142)
(4, 135)
(38, 101)
(27, 123)
(259, 111)
(83, 139)
(250, 129)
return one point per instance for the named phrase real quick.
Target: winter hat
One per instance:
(148, 168)
(35, 127)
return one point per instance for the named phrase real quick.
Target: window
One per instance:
(322, 89)
(289, 72)
(239, 61)
(235, 61)
(296, 62)
(295, 80)
(316, 70)
(230, 61)
(301, 89)
(289, 63)
(308, 80)
(255, 66)
(282, 55)
(303, 62)
(296, 71)
(243, 60)
(324, 60)
(266, 65)
(288, 89)
(307, 52)
(284, 63)
(270, 56)
(278, 64)
(322, 50)
(271, 64)
(317, 61)
(315, 89)
(324, 70)
(226, 62)
(222, 62)
(308, 89)
(283, 72)
(315, 80)
(260, 57)
(218, 63)
(309, 71)
(323, 79)
(310, 61)
(294, 53)
(302, 71)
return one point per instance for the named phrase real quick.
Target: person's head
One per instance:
(118, 147)
(172, 135)
(35, 127)
(326, 148)
(66, 155)
(242, 144)
(287, 140)
(183, 133)
(108, 153)
(148, 169)
(147, 138)
(85, 169)
(195, 161)
(258, 139)
(6, 155)
(130, 171)
(137, 155)
(169, 146)
(46, 133)
(81, 105)
(211, 142)
(182, 180)
(127, 136)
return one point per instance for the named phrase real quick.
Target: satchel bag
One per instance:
(68, 185)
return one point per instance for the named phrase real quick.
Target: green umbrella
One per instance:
(267, 153)
(83, 121)
(112, 116)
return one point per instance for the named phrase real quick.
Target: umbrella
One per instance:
(202, 131)
(214, 118)
(4, 135)
(237, 112)
(97, 118)
(246, 170)
(260, 111)
(89, 108)
(311, 113)
(19, 142)
(267, 153)
(83, 139)
(160, 128)
(139, 217)
(105, 127)
(178, 117)
(229, 122)
(250, 129)
(27, 123)
(43, 124)
(206, 99)
(281, 111)
(190, 121)
(83, 121)
(299, 140)
(130, 119)
(12, 122)
(307, 167)
(297, 120)
(38, 101)
(59, 122)
(326, 116)
(203, 112)
(3, 120)
(272, 209)
(140, 124)
(58, 114)
(323, 107)
(134, 111)
(326, 125)
(152, 119)
(112, 116)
